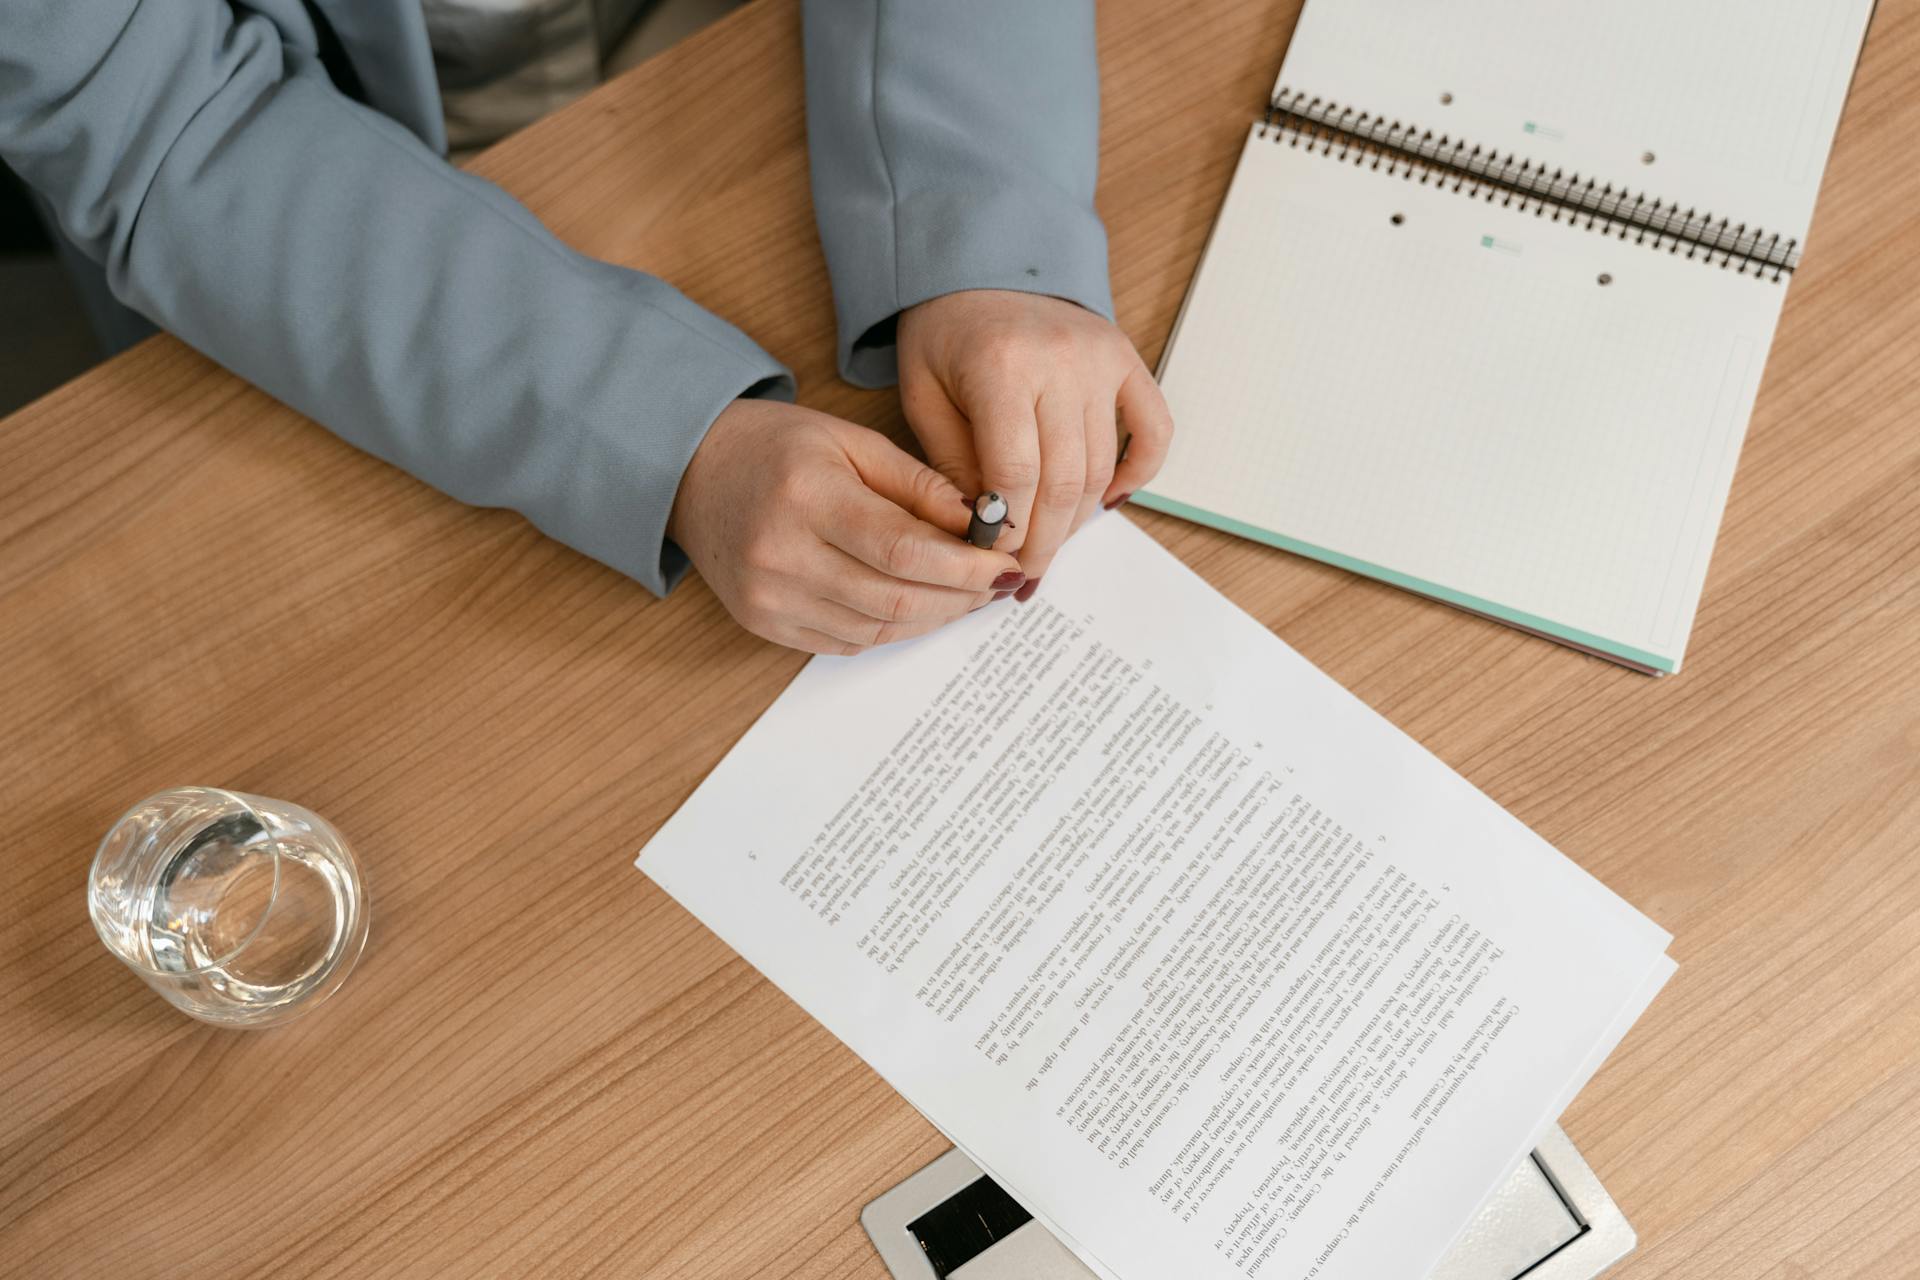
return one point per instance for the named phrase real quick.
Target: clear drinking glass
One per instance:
(241, 910)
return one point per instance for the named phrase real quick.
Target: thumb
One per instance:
(904, 480)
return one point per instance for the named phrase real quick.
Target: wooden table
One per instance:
(544, 1067)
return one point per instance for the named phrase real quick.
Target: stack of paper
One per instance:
(1211, 967)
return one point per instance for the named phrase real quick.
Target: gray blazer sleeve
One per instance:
(954, 145)
(322, 252)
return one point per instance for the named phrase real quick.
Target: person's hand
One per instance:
(1018, 392)
(825, 536)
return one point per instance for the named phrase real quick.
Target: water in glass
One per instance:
(241, 910)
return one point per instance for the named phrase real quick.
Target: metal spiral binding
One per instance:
(1454, 164)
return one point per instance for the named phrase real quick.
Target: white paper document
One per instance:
(1211, 967)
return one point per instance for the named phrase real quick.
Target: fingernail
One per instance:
(1118, 501)
(998, 596)
(1009, 580)
(1025, 593)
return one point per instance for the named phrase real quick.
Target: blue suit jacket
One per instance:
(321, 248)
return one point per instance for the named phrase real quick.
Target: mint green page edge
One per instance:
(1175, 507)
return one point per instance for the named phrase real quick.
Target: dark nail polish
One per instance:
(998, 596)
(1009, 580)
(1025, 593)
(1118, 501)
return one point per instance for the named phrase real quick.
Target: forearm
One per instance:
(953, 146)
(320, 251)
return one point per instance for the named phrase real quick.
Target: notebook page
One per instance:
(1736, 100)
(1454, 403)
(1217, 970)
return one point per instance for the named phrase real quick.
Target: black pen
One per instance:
(989, 517)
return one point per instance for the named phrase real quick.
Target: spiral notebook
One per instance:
(1486, 308)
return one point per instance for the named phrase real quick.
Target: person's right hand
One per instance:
(825, 536)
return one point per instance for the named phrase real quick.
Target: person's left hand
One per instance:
(1019, 392)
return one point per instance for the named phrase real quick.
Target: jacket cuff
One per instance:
(627, 469)
(1026, 239)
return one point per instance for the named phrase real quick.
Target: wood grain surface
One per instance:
(544, 1067)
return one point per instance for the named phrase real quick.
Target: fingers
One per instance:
(1103, 444)
(880, 598)
(943, 431)
(1006, 432)
(921, 491)
(829, 609)
(1143, 410)
(801, 616)
(871, 528)
(828, 627)
(1061, 419)
(810, 640)
(814, 640)
(852, 627)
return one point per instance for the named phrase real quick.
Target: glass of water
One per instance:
(241, 910)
